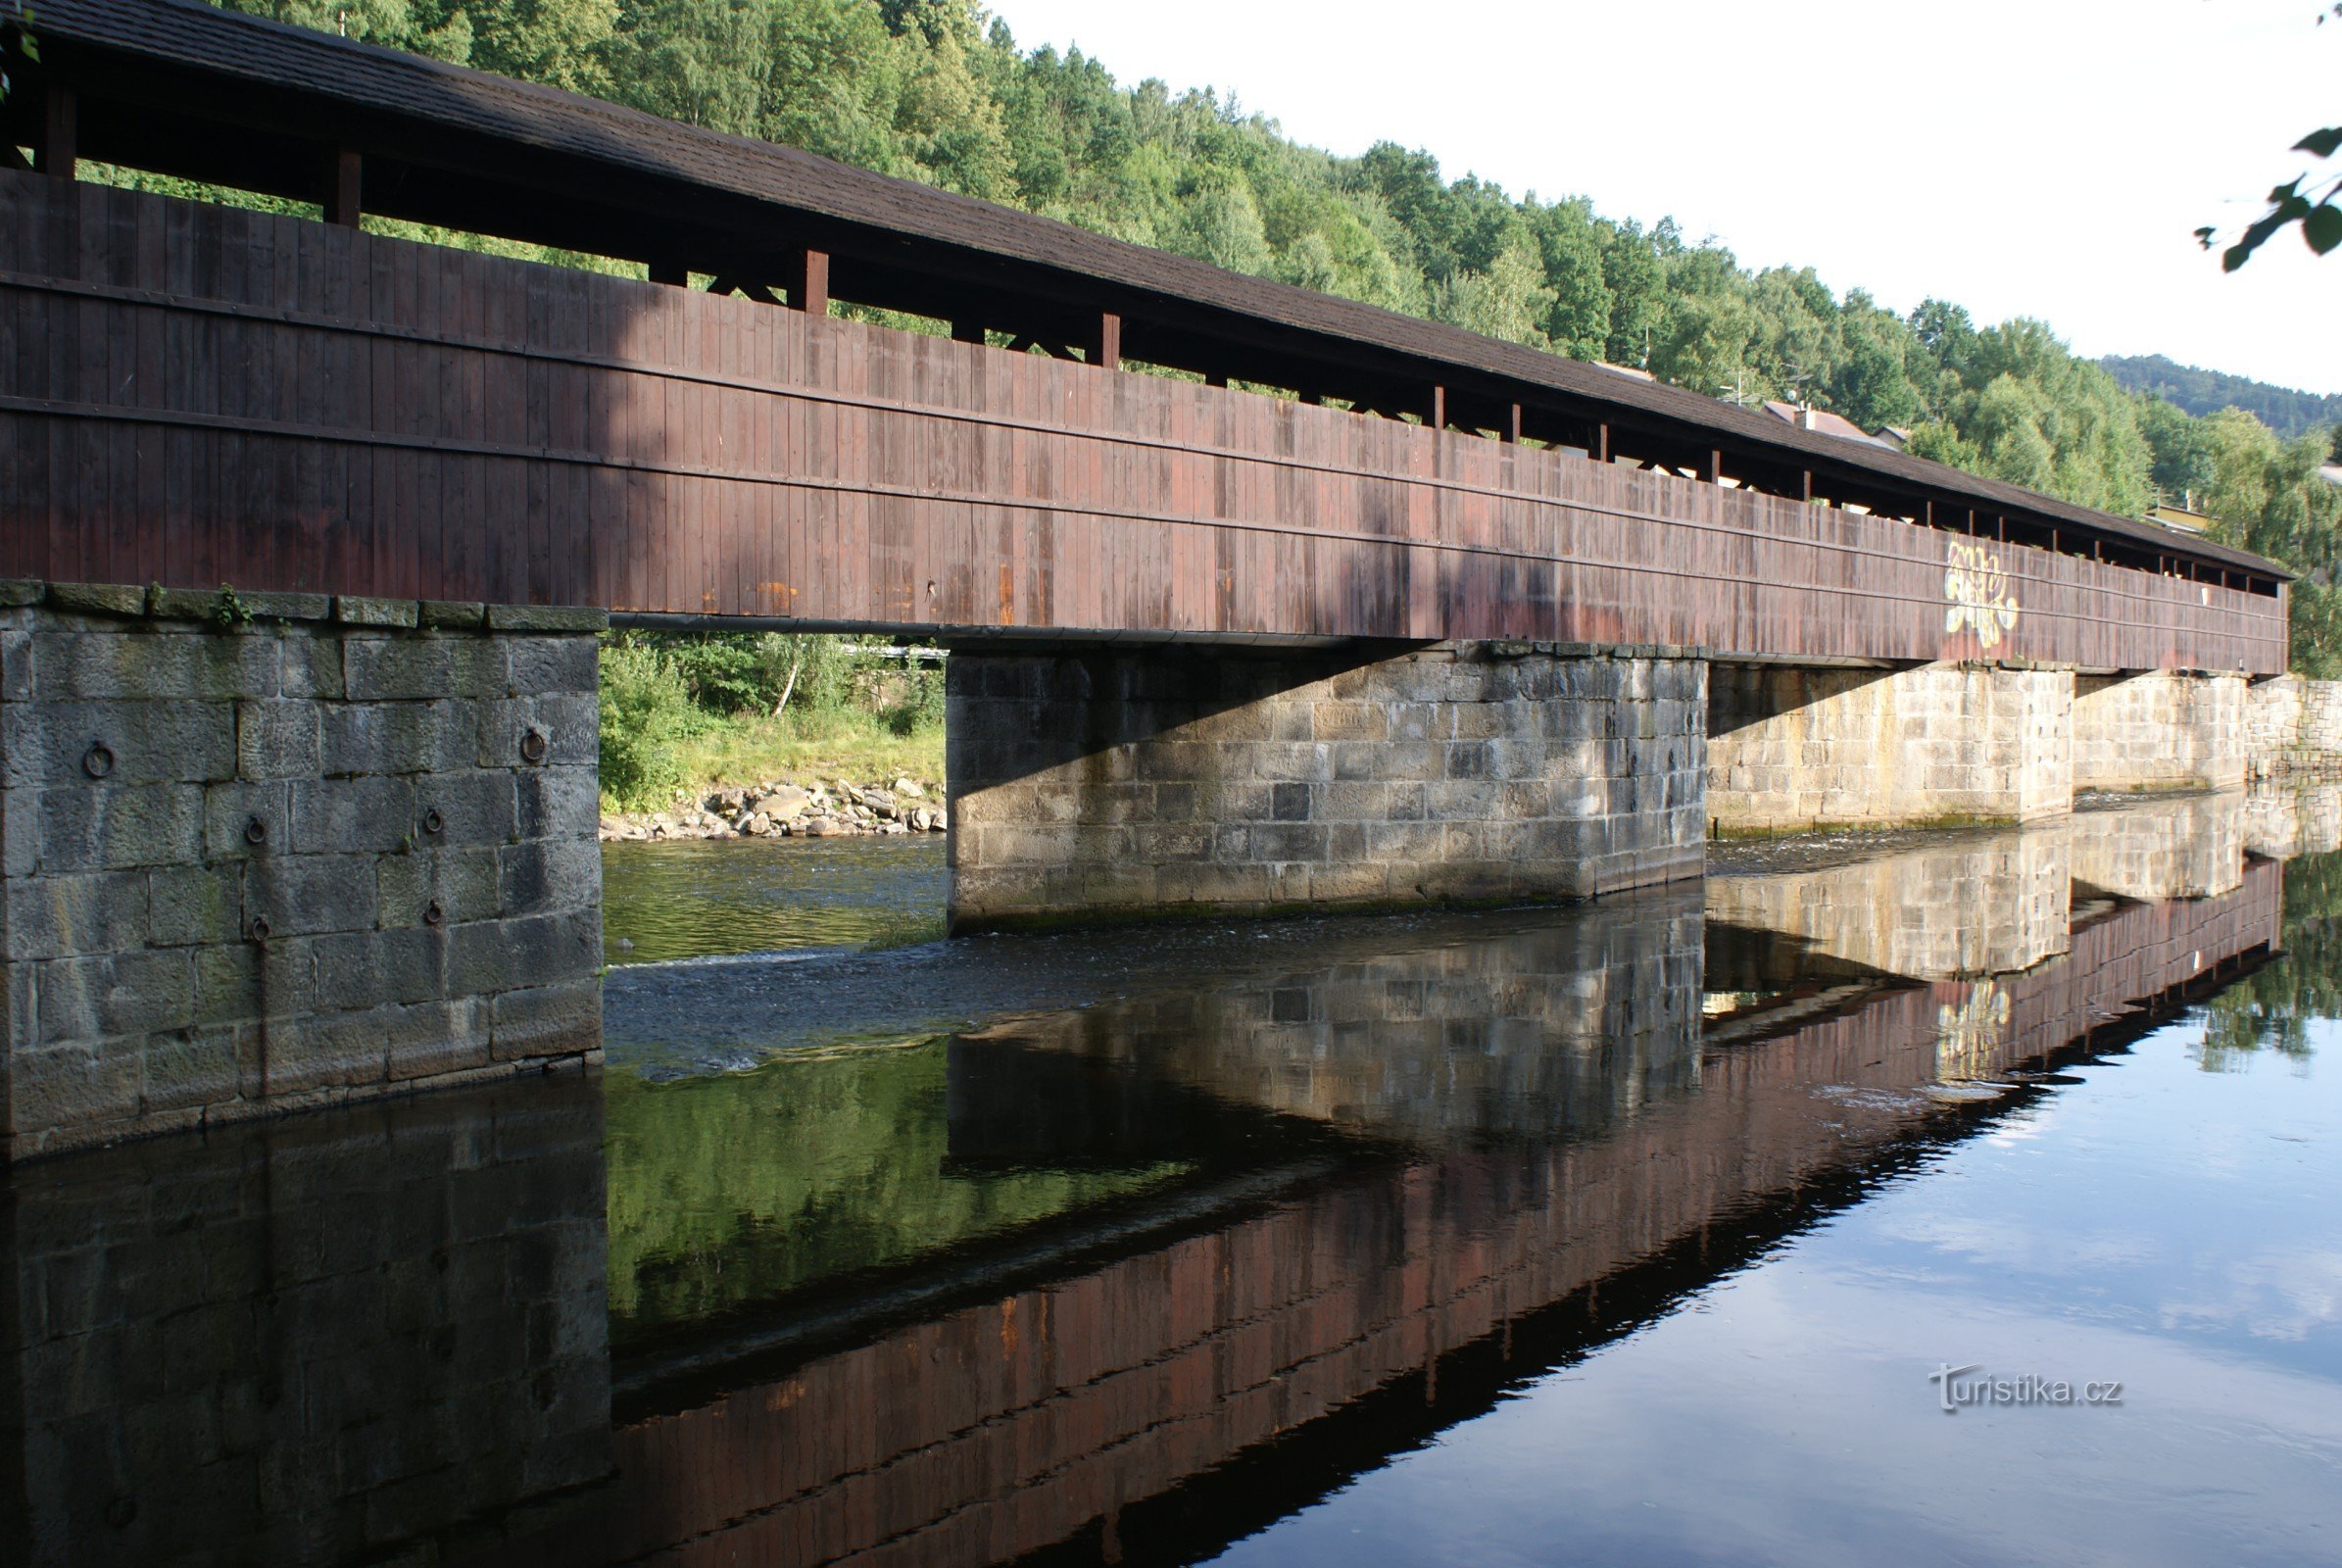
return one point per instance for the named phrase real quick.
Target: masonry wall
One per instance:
(2160, 730)
(359, 1336)
(282, 851)
(1172, 782)
(2293, 726)
(1798, 748)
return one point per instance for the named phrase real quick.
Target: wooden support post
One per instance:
(674, 274)
(344, 187)
(1806, 477)
(805, 275)
(1711, 466)
(1438, 418)
(1601, 453)
(967, 332)
(1512, 431)
(2000, 528)
(61, 125)
(1104, 347)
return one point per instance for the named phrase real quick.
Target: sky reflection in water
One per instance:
(2148, 1221)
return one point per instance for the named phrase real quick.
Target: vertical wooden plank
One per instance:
(344, 178)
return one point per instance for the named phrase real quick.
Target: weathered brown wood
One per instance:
(59, 132)
(344, 192)
(805, 274)
(1104, 347)
(225, 98)
(202, 395)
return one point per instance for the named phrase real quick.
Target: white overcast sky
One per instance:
(2047, 158)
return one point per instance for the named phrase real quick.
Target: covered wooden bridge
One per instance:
(196, 392)
(1258, 599)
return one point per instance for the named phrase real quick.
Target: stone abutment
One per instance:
(277, 851)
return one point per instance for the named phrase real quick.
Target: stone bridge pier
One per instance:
(2159, 729)
(1793, 748)
(273, 850)
(1175, 781)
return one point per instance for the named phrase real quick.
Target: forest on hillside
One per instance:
(2194, 390)
(937, 91)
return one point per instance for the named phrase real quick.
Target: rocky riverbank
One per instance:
(780, 809)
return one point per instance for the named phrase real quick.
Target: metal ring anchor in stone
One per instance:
(260, 928)
(433, 823)
(98, 761)
(532, 746)
(433, 913)
(256, 831)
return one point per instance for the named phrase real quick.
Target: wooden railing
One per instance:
(193, 394)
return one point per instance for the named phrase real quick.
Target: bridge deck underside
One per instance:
(193, 395)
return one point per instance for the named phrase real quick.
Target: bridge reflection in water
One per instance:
(1129, 1280)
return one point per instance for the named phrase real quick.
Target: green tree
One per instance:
(1218, 222)
(1569, 242)
(1508, 301)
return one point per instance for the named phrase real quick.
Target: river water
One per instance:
(1941, 1198)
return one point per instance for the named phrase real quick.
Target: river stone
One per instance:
(782, 804)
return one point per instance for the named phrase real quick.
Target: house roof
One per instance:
(1825, 421)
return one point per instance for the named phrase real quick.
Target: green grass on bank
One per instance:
(683, 713)
(848, 744)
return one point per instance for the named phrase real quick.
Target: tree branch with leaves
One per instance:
(15, 42)
(2312, 199)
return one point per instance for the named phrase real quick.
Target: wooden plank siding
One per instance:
(196, 394)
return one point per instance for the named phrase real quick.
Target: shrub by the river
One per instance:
(685, 709)
(646, 708)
